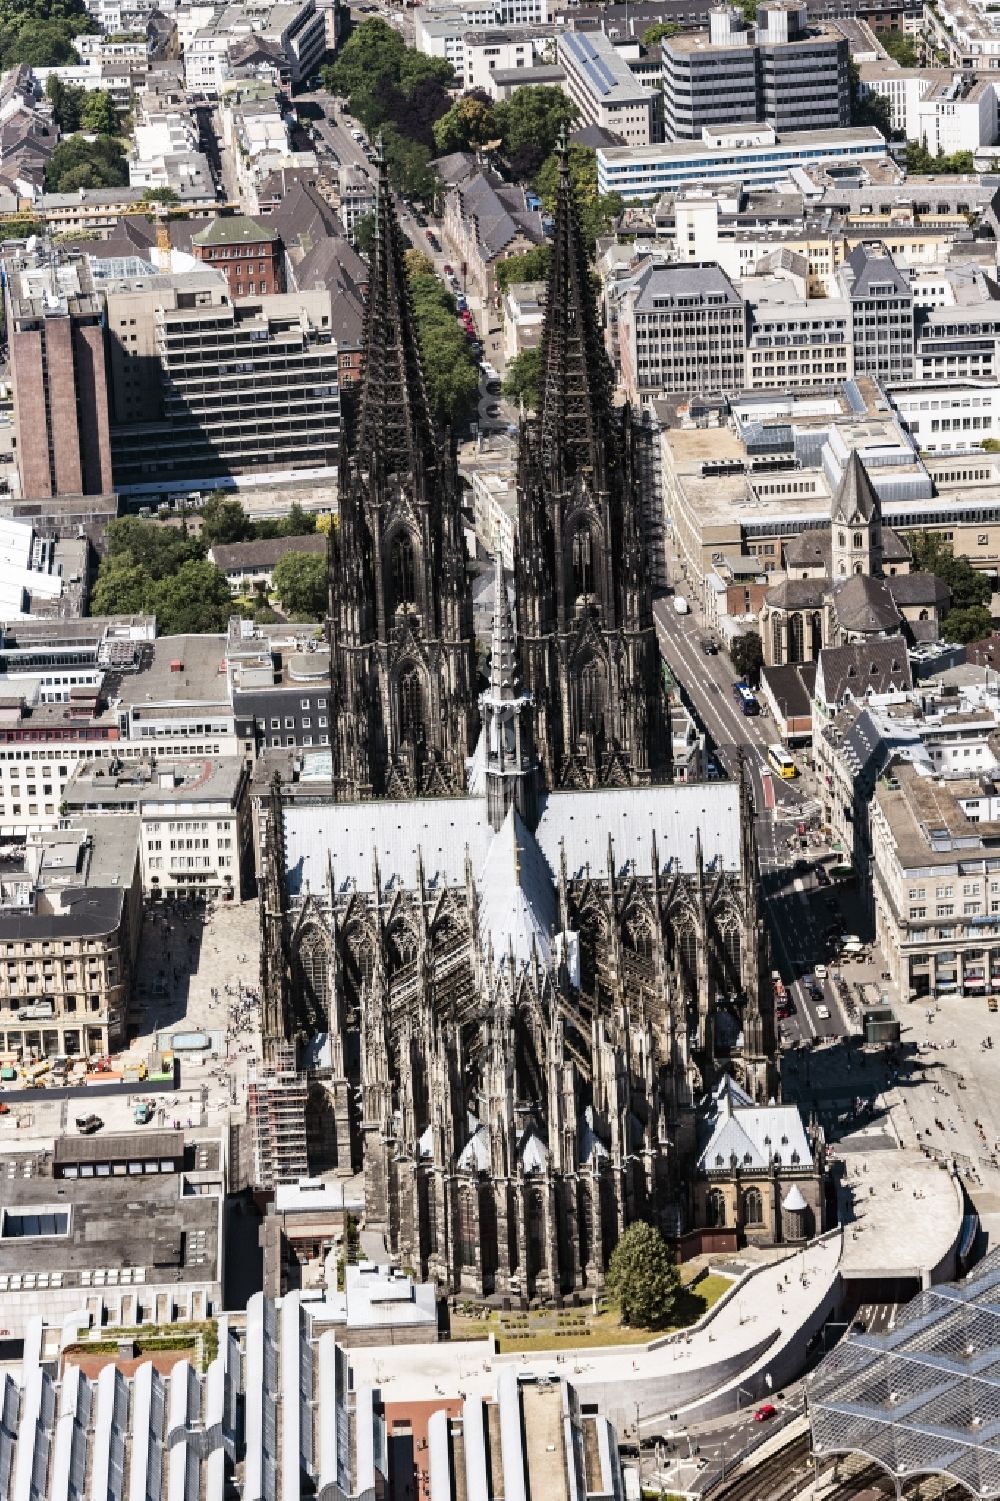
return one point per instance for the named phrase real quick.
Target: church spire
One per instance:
(575, 403)
(511, 766)
(395, 433)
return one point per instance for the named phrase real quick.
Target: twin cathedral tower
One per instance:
(406, 712)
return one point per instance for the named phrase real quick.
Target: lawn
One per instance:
(574, 1328)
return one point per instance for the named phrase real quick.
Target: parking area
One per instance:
(196, 995)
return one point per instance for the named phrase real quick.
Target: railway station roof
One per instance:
(924, 1398)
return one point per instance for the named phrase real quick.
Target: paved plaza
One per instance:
(197, 974)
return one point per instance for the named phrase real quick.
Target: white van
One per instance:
(680, 604)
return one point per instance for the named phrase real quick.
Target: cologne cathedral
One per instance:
(530, 955)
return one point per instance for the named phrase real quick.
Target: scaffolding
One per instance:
(277, 1096)
(923, 1399)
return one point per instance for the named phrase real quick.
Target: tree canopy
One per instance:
(528, 125)
(224, 520)
(469, 123)
(79, 163)
(533, 265)
(901, 47)
(451, 368)
(931, 554)
(870, 108)
(972, 624)
(300, 583)
(597, 212)
(41, 32)
(523, 379)
(99, 114)
(159, 570)
(658, 31)
(747, 654)
(920, 160)
(642, 1277)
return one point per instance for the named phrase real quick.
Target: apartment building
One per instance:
(70, 921)
(246, 252)
(356, 197)
(297, 28)
(936, 877)
(500, 50)
(782, 73)
(194, 817)
(682, 329)
(604, 89)
(883, 327)
(205, 386)
(279, 681)
(754, 155)
(54, 327)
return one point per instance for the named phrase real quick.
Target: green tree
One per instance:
(194, 600)
(78, 163)
(66, 102)
(597, 212)
(159, 549)
(529, 124)
(747, 655)
(920, 161)
(224, 520)
(469, 123)
(870, 108)
(523, 379)
(642, 1278)
(22, 229)
(749, 9)
(120, 587)
(658, 31)
(931, 554)
(99, 114)
(417, 264)
(300, 584)
(166, 196)
(901, 47)
(972, 623)
(364, 235)
(298, 522)
(450, 367)
(533, 265)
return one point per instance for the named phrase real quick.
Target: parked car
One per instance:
(709, 648)
(764, 1412)
(448, 269)
(823, 1012)
(88, 1124)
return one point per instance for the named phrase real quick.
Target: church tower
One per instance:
(855, 524)
(404, 714)
(588, 648)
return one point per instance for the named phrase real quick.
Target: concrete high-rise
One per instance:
(783, 73)
(54, 320)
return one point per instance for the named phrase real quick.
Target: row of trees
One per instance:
(398, 92)
(451, 368)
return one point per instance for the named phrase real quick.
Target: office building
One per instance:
(70, 918)
(605, 90)
(247, 253)
(882, 315)
(109, 1230)
(205, 386)
(280, 686)
(54, 327)
(794, 342)
(682, 329)
(194, 818)
(782, 73)
(751, 155)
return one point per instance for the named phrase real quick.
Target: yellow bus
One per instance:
(782, 761)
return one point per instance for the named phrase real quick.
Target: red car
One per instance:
(449, 270)
(768, 1410)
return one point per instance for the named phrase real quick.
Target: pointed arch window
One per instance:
(314, 967)
(583, 562)
(715, 1207)
(591, 696)
(753, 1207)
(411, 704)
(404, 572)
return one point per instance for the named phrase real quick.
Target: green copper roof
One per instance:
(236, 229)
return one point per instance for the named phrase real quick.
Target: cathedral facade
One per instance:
(530, 955)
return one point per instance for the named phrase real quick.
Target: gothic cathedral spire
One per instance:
(574, 420)
(588, 647)
(403, 709)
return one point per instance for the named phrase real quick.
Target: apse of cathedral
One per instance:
(529, 954)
